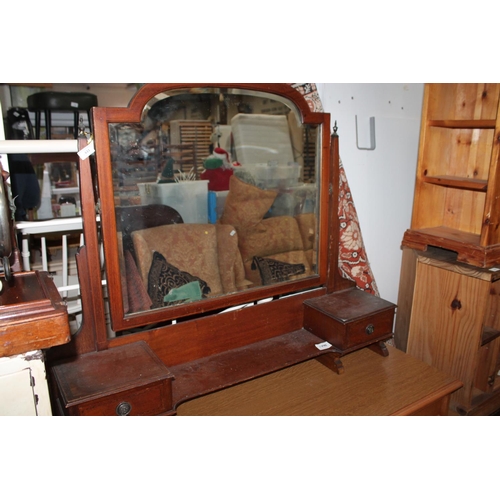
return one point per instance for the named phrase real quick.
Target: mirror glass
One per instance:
(216, 192)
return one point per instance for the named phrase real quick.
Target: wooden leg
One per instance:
(380, 348)
(332, 361)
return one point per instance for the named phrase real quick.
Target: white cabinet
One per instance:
(23, 385)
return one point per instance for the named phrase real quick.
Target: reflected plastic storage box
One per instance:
(189, 198)
(274, 176)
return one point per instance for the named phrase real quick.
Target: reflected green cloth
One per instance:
(185, 293)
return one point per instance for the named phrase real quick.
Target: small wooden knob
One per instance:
(123, 409)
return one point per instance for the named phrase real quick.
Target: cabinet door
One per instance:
(16, 394)
(23, 385)
(447, 323)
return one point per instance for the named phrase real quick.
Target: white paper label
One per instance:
(323, 346)
(74, 104)
(86, 151)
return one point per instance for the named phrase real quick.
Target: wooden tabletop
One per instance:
(371, 385)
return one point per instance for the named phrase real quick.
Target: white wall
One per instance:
(381, 181)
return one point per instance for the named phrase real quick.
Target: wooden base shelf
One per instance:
(489, 334)
(466, 245)
(482, 404)
(206, 375)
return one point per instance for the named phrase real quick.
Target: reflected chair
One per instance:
(65, 102)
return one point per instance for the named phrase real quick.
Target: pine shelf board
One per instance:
(490, 124)
(451, 181)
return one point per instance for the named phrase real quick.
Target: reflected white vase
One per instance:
(45, 210)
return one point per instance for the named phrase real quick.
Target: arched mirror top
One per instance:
(211, 196)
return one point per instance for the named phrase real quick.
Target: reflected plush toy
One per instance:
(218, 170)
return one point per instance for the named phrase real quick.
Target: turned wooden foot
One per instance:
(332, 361)
(380, 348)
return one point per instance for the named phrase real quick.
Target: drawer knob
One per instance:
(369, 329)
(123, 409)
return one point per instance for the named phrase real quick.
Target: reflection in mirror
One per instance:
(216, 192)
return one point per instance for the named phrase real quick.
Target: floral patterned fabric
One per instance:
(353, 261)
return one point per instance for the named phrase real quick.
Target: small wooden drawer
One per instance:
(349, 319)
(126, 380)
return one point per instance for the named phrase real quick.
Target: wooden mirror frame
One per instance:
(102, 117)
(209, 332)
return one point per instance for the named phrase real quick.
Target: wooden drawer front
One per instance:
(150, 400)
(345, 335)
(369, 329)
(97, 382)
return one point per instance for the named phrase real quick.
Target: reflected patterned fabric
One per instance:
(275, 271)
(164, 277)
(353, 261)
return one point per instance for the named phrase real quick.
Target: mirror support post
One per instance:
(334, 280)
(92, 334)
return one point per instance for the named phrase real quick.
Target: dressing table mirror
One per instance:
(243, 168)
(216, 207)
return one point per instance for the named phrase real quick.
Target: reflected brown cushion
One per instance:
(294, 257)
(190, 247)
(164, 277)
(308, 230)
(246, 205)
(274, 235)
(232, 271)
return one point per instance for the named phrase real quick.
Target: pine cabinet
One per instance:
(449, 295)
(455, 327)
(457, 184)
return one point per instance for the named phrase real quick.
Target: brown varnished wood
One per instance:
(333, 362)
(334, 280)
(371, 385)
(349, 319)
(379, 348)
(210, 335)
(96, 383)
(206, 375)
(32, 314)
(92, 334)
(224, 347)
